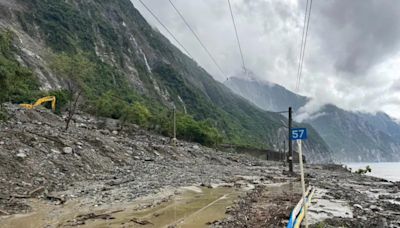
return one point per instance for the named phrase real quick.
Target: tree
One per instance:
(110, 105)
(5, 43)
(73, 71)
(364, 171)
(198, 131)
(4, 88)
(136, 113)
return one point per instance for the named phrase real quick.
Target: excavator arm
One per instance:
(40, 102)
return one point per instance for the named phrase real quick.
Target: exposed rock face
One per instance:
(351, 136)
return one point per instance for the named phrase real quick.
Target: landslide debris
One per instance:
(38, 158)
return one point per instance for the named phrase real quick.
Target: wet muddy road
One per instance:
(187, 207)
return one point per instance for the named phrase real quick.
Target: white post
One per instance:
(174, 123)
(303, 184)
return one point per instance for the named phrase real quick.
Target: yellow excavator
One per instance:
(41, 101)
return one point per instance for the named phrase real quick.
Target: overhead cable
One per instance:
(197, 37)
(306, 25)
(166, 28)
(237, 36)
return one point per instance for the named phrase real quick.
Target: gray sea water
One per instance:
(387, 170)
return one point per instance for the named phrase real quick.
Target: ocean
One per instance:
(386, 170)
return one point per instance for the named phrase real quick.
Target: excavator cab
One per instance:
(42, 100)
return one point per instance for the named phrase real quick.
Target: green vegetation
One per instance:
(199, 131)
(3, 114)
(108, 105)
(74, 70)
(242, 123)
(17, 83)
(364, 171)
(136, 113)
(159, 120)
(64, 28)
(62, 97)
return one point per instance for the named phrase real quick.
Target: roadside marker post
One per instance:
(300, 134)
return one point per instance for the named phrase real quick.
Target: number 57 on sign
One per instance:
(298, 134)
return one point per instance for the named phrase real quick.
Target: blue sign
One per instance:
(298, 134)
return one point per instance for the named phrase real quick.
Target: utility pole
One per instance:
(174, 139)
(284, 153)
(290, 141)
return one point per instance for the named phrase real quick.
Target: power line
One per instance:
(197, 37)
(301, 45)
(165, 27)
(304, 42)
(237, 36)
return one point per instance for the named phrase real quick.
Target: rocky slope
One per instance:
(36, 152)
(352, 136)
(133, 60)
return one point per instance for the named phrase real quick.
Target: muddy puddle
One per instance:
(191, 207)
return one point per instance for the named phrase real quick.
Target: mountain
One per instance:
(266, 95)
(356, 136)
(132, 62)
(352, 136)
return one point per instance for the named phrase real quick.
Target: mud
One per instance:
(186, 208)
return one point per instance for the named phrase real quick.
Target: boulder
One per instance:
(54, 151)
(374, 208)
(68, 150)
(21, 154)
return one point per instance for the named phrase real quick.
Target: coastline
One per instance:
(386, 170)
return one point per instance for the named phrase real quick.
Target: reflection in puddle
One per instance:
(193, 207)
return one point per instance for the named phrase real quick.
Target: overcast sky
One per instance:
(353, 50)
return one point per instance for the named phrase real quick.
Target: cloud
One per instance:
(358, 34)
(353, 50)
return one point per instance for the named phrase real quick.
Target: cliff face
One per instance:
(356, 136)
(131, 56)
(352, 136)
